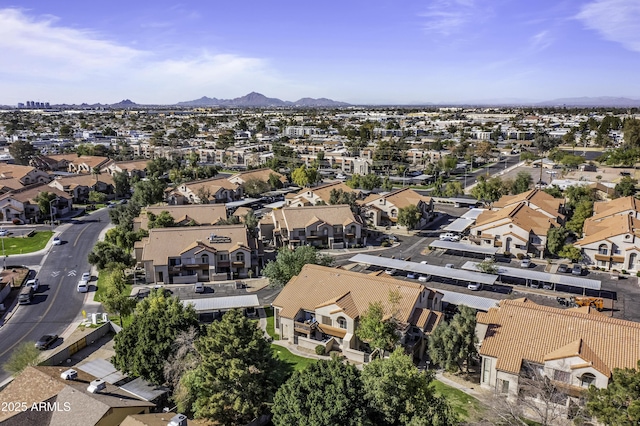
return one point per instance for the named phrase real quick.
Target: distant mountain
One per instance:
(125, 103)
(601, 101)
(258, 100)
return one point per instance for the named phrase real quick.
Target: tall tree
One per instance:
(22, 152)
(451, 345)
(104, 253)
(143, 347)
(44, 200)
(409, 216)
(289, 263)
(398, 394)
(556, 238)
(254, 186)
(619, 403)
(522, 182)
(237, 376)
(161, 220)
(324, 393)
(122, 184)
(379, 332)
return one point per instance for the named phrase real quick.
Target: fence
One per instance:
(70, 348)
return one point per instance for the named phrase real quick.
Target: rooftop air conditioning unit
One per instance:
(96, 386)
(69, 374)
(178, 420)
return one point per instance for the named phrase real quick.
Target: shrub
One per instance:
(385, 244)
(507, 254)
(520, 256)
(320, 350)
(638, 274)
(624, 271)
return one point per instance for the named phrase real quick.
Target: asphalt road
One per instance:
(57, 304)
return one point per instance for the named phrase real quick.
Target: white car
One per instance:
(424, 278)
(390, 271)
(341, 176)
(3, 232)
(83, 286)
(424, 262)
(35, 283)
(525, 263)
(475, 286)
(411, 275)
(449, 266)
(56, 241)
(86, 276)
(449, 237)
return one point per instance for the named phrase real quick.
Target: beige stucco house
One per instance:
(383, 209)
(185, 215)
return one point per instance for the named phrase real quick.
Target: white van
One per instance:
(83, 286)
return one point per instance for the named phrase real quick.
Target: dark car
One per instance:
(563, 268)
(576, 270)
(45, 341)
(142, 293)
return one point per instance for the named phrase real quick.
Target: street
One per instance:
(57, 304)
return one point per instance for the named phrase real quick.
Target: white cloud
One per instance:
(75, 65)
(541, 40)
(615, 20)
(446, 17)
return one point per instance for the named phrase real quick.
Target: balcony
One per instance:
(306, 327)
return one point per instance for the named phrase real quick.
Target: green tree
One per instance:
(254, 186)
(626, 187)
(386, 184)
(324, 393)
(22, 152)
(162, 220)
(522, 183)
(338, 196)
(44, 200)
(619, 403)
(274, 181)
(556, 238)
(582, 211)
(570, 252)
(114, 299)
(453, 189)
(398, 394)
(142, 348)
(65, 130)
(289, 263)
(104, 253)
(148, 192)
(97, 197)
(300, 176)
(409, 216)
(554, 191)
(23, 356)
(378, 332)
(238, 374)
(370, 181)
(488, 267)
(489, 189)
(631, 129)
(122, 184)
(453, 344)
(251, 222)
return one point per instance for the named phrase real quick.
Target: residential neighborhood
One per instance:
(492, 250)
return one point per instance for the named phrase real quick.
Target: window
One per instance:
(224, 257)
(504, 386)
(326, 320)
(325, 231)
(394, 213)
(587, 380)
(486, 370)
(205, 258)
(561, 376)
(602, 249)
(353, 229)
(342, 323)
(240, 257)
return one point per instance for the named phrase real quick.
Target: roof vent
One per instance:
(96, 386)
(178, 420)
(70, 374)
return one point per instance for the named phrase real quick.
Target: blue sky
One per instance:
(373, 52)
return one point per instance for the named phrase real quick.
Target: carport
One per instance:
(420, 268)
(219, 305)
(464, 248)
(541, 277)
(476, 302)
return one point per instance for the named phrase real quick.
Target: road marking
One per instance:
(55, 274)
(72, 273)
(37, 323)
(79, 235)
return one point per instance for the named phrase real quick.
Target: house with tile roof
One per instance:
(260, 174)
(323, 305)
(575, 348)
(66, 402)
(611, 237)
(207, 191)
(318, 226)
(79, 186)
(191, 254)
(537, 200)
(72, 163)
(21, 204)
(319, 194)
(185, 215)
(383, 209)
(12, 174)
(131, 168)
(516, 225)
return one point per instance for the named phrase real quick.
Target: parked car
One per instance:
(34, 284)
(86, 276)
(577, 269)
(198, 288)
(390, 271)
(56, 241)
(563, 268)
(83, 286)
(449, 265)
(474, 286)
(449, 237)
(45, 341)
(341, 176)
(3, 232)
(411, 275)
(142, 293)
(525, 263)
(547, 286)
(26, 295)
(424, 262)
(424, 278)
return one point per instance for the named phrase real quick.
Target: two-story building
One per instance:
(574, 348)
(323, 306)
(79, 186)
(259, 174)
(185, 215)
(536, 200)
(207, 191)
(21, 204)
(131, 168)
(318, 226)
(383, 209)
(198, 254)
(24, 175)
(318, 194)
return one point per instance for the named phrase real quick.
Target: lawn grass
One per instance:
(463, 404)
(270, 323)
(102, 288)
(22, 245)
(297, 362)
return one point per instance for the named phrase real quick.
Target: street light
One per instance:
(51, 210)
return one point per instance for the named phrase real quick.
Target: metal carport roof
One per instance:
(541, 276)
(420, 268)
(459, 225)
(475, 302)
(451, 245)
(213, 304)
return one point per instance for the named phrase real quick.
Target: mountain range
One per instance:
(254, 99)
